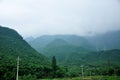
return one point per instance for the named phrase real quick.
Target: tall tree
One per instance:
(54, 66)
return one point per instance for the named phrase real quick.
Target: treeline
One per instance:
(34, 72)
(8, 70)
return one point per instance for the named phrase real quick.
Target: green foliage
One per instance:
(44, 41)
(56, 71)
(70, 56)
(74, 50)
(54, 66)
(89, 78)
(28, 77)
(12, 45)
(33, 65)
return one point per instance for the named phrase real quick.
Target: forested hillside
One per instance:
(63, 51)
(41, 42)
(111, 57)
(13, 45)
(105, 41)
(74, 50)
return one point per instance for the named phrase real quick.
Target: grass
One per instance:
(89, 78)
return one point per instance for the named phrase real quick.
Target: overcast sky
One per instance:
(42, 17)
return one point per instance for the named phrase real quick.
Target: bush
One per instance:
(28, 77)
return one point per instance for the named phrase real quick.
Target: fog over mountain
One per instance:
(42, 17)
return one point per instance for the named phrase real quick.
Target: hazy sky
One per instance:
(41, 17)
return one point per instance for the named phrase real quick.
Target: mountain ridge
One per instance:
(70, 48)
(14, 42)
(42, 41)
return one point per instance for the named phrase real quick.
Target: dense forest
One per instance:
(72, 51)
(53, 57)
(32, 63)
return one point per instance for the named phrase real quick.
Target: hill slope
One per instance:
(12, 45)
(111, 57)
(61, 49)
(41, 42)
(74, 50)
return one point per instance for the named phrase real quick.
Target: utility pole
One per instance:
(97, 49)
(104, 49)
(90, 74)
(17, 68)
(82, 72)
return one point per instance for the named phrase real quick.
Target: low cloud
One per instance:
(81, 17)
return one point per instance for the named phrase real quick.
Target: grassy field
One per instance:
(89, 78)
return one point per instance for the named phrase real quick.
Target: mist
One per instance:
(51, 17)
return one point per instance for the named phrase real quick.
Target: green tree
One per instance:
(54, 66)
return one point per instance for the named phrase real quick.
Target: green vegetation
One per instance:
(65, 57)
(71, 52)
(28, 77)
(33, 65)
(54, 66)
(12, 45)
(41, 42)
(89, 78)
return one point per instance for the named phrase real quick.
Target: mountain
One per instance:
(41, 42)
(68, 54)
(108, 40)
(72, 51)
(108, 57)
(69, 50)
(61, 45)
(76, 50)
(77, 41)
(71, 55)
(29, 39)
(13, 45)
(61, 49)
